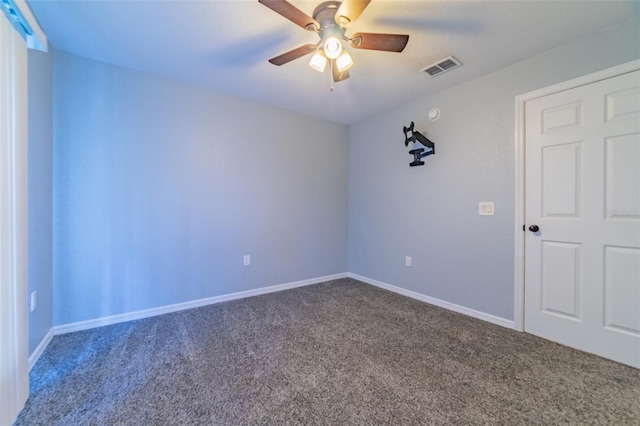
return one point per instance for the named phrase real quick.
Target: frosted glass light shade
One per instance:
(332, 47)
(318, 61)
(344, 61)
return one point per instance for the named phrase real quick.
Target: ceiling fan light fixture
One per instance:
(318, 61)
(344, 61)
(332, 47)
(329, 21)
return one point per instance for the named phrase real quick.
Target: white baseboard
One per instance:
(146, 313)
(437, 302)
(33, 358)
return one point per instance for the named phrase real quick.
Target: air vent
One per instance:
(441, 66)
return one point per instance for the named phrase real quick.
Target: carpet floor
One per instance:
(341, 352)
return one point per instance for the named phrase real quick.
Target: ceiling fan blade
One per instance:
(373, 41)
(349, 11)
(293, 54)
(337, 75)
(292, 13)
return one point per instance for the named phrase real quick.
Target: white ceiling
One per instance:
(225, 45)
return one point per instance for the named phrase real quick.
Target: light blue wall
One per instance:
(40, 151)
(160, 188)
(431, 212)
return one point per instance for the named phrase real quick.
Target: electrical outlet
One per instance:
(34, 300)
(407, 261)
(247, 260)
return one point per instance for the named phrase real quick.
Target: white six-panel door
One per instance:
(582, 189)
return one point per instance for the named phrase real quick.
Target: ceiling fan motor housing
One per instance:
(325, 14)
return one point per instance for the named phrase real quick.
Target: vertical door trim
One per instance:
(14, 387)
(14, 350)
(518, 314)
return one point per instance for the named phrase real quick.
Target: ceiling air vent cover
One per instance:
(441, 66)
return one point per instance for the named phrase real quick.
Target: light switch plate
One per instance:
(485, 208)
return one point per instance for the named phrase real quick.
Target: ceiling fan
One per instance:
(330, 21)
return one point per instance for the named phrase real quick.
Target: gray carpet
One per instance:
(342, 352)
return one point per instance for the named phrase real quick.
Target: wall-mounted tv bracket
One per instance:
(418, 153)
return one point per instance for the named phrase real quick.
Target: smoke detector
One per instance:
(442, 66)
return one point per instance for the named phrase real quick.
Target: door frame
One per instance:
(518, 306)
(19, 32)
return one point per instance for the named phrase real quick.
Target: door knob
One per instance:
(534, 228)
